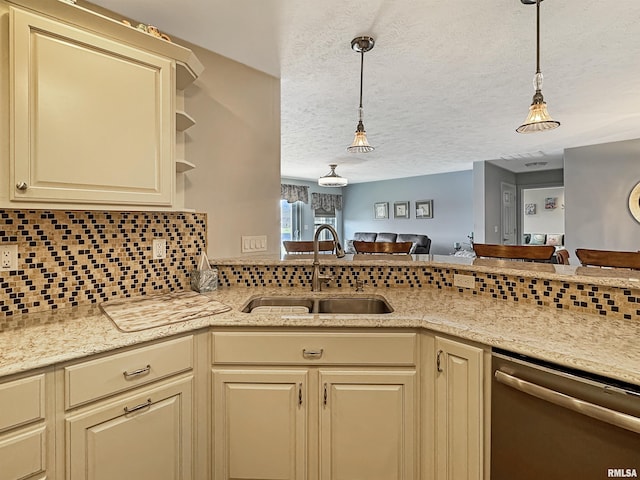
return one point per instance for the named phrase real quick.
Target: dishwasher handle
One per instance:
(619, 419)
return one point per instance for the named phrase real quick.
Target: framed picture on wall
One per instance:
(401, 210)
(381, 210)
(424, 208)
(550, 203)
(530, 209)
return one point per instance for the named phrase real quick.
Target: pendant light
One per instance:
(360, 143)
(332, 179)
(538, 119)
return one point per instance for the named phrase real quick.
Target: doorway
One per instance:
(508, 217)
(542, 211)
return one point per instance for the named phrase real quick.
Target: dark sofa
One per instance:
(422, 243)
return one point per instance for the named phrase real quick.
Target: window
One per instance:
(290, 221)
(322, 217)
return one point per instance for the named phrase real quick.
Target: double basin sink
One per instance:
(360, 305)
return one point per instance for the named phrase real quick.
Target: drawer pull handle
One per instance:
(22, 186)
(312, 354)
(138, 407)
(135, 373)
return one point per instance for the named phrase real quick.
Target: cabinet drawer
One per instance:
(314, 348)
(22, 455)
(119, 372)
(21, 402)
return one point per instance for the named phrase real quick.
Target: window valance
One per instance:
(326, 202)
(294, 193)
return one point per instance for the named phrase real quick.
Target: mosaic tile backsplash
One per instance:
(600, 300)
(68, 258)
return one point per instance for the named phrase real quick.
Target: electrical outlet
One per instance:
(159, 248)
(8, 257)
(464, 281)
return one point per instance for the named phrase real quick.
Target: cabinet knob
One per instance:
(22, 186)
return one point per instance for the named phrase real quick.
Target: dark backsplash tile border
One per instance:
(69, 258)
(583, 298)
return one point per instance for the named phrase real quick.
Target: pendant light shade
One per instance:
(360, 143)
(332, 179)
(538, 119)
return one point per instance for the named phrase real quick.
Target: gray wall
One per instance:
(235, 146)
(487, 201)
(452, 205)
(598, 180)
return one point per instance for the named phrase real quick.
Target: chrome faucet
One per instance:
(317, 279)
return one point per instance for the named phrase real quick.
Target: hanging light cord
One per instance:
(361, 74)
(537, 37)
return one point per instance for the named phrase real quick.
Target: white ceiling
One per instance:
(446, 84)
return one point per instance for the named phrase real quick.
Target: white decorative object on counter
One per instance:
(204, 278)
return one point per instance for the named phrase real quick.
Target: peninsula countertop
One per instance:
(613, 277)
(592, 343)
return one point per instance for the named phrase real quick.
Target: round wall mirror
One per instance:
(634, 202)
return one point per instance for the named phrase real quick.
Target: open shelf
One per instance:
(184, 166)
(184, 121)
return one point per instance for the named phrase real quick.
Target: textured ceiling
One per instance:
(446, 84)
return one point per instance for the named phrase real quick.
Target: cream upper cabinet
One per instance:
(458, 411)
(92, 119)
(367, 425)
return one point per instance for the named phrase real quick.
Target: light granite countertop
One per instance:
(592, 343)
(612, 277)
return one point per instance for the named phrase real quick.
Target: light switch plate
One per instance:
(254, 243)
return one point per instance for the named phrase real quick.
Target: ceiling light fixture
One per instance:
(332, 179)
(538, 119)
(360, 143)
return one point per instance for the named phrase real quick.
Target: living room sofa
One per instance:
(555, 239)
(421, 243)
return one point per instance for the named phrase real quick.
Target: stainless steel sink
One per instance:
(286, 302)
(355, 305)
(360, 305)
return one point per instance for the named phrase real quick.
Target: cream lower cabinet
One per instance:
(341, 406)
(260, 419)
(130, 415)
(26, 435)
(459, 410)
(367, 423)
(145, 434)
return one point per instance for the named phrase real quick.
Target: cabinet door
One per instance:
(92, 118)
(260, 424)
(26, 437)
(144, 435)
(367, 425)
(459, 407)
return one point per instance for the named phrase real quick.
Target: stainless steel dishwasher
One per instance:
(554, 423)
